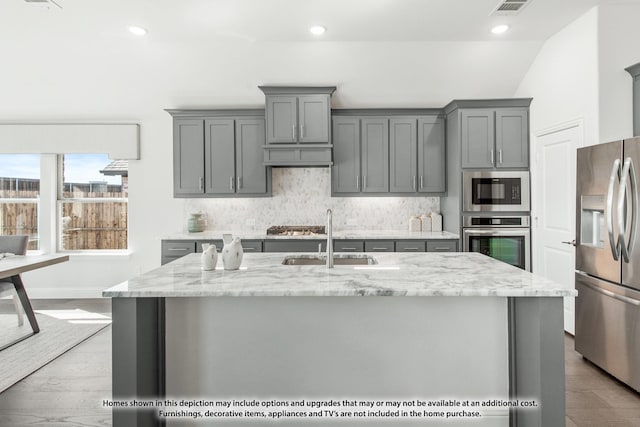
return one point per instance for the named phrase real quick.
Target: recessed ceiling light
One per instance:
(500, 29)
(317, 30)
(138, 31)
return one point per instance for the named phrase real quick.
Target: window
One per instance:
(92, 202)
(20, 196)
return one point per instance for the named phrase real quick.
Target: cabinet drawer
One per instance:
(218, 244)
(410, 246)
(172, 250)
(292, 245)
(379, 246)
(252, 245)
(348, 246)
(442, 246)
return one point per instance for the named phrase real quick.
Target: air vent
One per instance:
(44, 3)
(510, 7)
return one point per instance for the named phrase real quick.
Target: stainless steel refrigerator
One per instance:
(608, 258)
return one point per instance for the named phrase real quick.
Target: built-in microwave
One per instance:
(495, 191)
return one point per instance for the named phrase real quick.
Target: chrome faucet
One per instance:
(329, 239)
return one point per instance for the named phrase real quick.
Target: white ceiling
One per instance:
(289, 20)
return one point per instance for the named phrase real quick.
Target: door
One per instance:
(402, 155)
(375, 155)
(251, 175)
(512, 136)
(188, 147)
(554, 210)
(345, 172)
(431, 155)
(282, 116)
(631, 259)
(477, 137)
(219, 151)
(597, 248)
(313, 113)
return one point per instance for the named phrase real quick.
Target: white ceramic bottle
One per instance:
(209, 257)
(436, 222)
(231, 252)
(414, 223)
(425, 220)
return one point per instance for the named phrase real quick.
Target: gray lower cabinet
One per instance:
(379, 246)
(494, 137)
(174, 249)
(219, 156)
(348, 245)
(295, 245)
(442, 245)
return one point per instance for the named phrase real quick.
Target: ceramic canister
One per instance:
(232, 252)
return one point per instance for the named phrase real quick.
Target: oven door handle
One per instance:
(498, 231)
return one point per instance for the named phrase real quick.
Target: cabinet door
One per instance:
(251, 175)
(313, 114)
(188, 151)
(402, 156)
(282, 119)
(512, 138)
(431, 155)
(219, 151)
(477, 135)
(375, 155)
(345, 172)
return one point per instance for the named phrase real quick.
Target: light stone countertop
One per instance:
(396, 274)
(337, 234)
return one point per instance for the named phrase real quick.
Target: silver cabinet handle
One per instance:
(301, 131)
(380, 249)
(202, 183)
(628, 173)
(348, 249)
(319, 247)
(615, 246)
(500, 156)
(421, 182)
(491, 151)
(358, 182)
(177, 249)
(441, 248)
(364, 181)
(231, 183)
(414, 182)
(410, 249)
(293, 132)
(239, 183)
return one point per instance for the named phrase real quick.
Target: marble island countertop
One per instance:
(337, 234)
(395, 274)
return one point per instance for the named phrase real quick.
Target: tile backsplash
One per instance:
(301, 196)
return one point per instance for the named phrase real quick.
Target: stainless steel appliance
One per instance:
(495, 191)
(507, 238)
(607, 259)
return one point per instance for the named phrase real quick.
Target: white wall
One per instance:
(48, 77)
(563, 79)
(619, 48)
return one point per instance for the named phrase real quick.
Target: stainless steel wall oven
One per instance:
(506, 238)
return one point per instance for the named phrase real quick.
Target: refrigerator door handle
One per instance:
(628, 174)
(615, 246)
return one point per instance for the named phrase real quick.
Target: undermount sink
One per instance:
(322, 260)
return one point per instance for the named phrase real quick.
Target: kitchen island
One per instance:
(430, 326)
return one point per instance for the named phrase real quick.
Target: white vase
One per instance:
(209, 257)
(231, 252)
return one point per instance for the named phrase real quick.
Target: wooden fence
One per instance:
(85, 224)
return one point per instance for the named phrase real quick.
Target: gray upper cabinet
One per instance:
(219, 153)
(251, 174)
(345, 173)
(188, 167)
(402, 155)
(313, 113)
(384, 152)
(431, 155)
(494, 138)
(375, 155)
(282, 116)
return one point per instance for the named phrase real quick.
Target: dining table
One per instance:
(13, 266)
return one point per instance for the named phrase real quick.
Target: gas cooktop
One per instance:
(295, 230)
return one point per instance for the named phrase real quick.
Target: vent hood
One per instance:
(298, 125)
